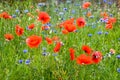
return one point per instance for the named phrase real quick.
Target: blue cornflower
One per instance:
(54, 54)
(44, 48)
(47, 28)
(55, 31)
(26, 11)
(61, 13)
(77, 4)
(118, 70)
(99, 32)
(109, 3)
(111, 15)
(48, 24)
(92, 16)
(101, 19)
(106, 33)
(84, 13)
(56, 10)
(13, 16)
(89, 35)
(71, 17)
(73, 11)
(27, 61)
(68, 1)
(25, 51)
(105, 1)
(106, 20)
(93, 26)
(118, 56)
(62, 18)
(44, 53)
(27, 28)
(20, 61)
(65, 9)
(41, 4)
(108, 55)
(17, 11)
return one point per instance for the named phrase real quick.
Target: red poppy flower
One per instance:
(8, 36)
(33, 41)
(49, 40)
(81, 22)
(87, 49)
(31, 26)
(109, 26)
(111, 20)
(72, 53)
(69, 21)
(70, 27)
(64, 31)
(43, 17)
(5, 15)
(104, 14)
(57, 47)
(55, 38)
(19, 30)
(86, 5)
(84, 60)
(88, 14)
(96, 57)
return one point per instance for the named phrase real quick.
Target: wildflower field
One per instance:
(65, 41)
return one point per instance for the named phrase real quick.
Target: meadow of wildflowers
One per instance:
(69, 41)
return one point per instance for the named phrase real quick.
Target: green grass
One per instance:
(57, 67)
